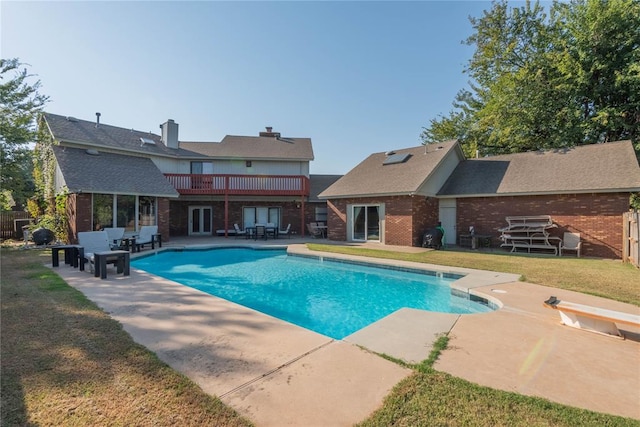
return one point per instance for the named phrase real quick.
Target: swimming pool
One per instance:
(332, 298)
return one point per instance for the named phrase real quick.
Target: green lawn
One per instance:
(66, 362)
(601, 277)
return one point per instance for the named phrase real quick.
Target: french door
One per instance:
(200, 220)
(366, 223)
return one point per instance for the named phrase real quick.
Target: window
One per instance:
(146, 211)
(321, 214)
(260, 215)
(201, 167)
(126, 212)
(122, 210)
(102, 211)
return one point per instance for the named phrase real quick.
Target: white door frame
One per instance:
(201, 228)
(350, 221)
(447, 214)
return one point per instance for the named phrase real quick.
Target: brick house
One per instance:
(391, 197)
(118, 177)
(584, 189)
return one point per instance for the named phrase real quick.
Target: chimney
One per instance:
(270, 133)
(98, 119)
(170, 133)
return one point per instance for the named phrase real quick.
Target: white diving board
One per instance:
(592, 319)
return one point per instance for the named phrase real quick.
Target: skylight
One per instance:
(147, 141)
(396, 158)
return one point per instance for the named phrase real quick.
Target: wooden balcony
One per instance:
(234, 185)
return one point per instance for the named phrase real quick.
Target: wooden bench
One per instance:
(592, 319)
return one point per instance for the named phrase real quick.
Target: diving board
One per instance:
(592, 319)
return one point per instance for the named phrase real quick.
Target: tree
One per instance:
(546, 81)
(20, 104)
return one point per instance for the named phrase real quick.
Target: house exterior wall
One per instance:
(79, 208)
(235, 167)
(437, 179)
(406, 218)
(290, 213)
(597, 217)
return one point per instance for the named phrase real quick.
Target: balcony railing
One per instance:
(258, 185)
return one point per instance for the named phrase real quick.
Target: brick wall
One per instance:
(406, 218)
(597, 217)
(163, 218)
(289, 214)
(79, 215)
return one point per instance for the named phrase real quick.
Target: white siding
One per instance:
(441, 174)
(236, 167)
(58, 180)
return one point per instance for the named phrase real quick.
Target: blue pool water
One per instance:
(332, 298)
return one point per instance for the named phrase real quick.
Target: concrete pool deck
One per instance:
(279, 374)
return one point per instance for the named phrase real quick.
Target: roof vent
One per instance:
(147, 141)
(92, 152)
(390, 153)
(72, 119)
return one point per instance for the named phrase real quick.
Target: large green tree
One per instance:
(544, 80)
(20, 104)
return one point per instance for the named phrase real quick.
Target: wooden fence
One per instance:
(11, 224)
(631, 238)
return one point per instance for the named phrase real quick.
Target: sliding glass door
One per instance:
(260, 215)
(366, 223)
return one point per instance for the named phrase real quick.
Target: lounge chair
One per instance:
(148, 234)
(239, 232)
(285, 232)
(92, 242)
(571, 242)
(115, 235)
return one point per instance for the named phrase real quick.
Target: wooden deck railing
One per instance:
(264, 185)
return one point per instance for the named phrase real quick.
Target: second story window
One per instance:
(201, 167)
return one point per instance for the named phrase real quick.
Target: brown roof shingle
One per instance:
(372, 177)
(589, 168)
(84, 132)
(254, 148)
(111, 173)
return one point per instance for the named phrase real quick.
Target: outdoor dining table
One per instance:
(252, 232)
(323, 230)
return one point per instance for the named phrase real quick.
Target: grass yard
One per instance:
(65, 362)
(600, 277)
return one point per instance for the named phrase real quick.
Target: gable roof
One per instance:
(405, 177)
(83, 132)
(110, 173)
(610, 167)
(254, 148)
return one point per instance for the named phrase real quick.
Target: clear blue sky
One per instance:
(355, 77)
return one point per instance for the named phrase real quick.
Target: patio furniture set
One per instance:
(109, 246)
(261, 231)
